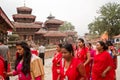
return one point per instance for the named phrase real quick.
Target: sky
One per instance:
(78, 12)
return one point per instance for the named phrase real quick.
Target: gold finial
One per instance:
(24, 2)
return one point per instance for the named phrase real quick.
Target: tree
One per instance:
(66, 26)
(109, 20)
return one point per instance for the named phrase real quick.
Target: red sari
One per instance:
(56, 65)
(101, 62)
(82, 56)
(72, 72)
(2, 68)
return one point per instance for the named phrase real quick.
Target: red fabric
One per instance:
(101, 62)
(8, 68)
(34, 52)
(56, 65)
(87, 69)
(82, 56)
(115, 62)
(72, 72)
(2, 67)
(38, 78)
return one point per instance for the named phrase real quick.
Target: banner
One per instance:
(104, 36)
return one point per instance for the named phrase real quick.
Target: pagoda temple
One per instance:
(29, 29)
(25, 23)
(51, 34)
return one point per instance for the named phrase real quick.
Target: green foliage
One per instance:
(109, 20)
(66, 26)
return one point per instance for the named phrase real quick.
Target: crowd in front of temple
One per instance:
(80, 61)
(83, 62)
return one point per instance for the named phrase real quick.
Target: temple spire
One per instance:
(50, 16)
(24, 3)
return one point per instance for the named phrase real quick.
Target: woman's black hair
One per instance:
(2, 41)
(60, 45)
(26, 57)
(105, 47)
(89, 44)
(69, 48)
(82, 40)
(109, 43)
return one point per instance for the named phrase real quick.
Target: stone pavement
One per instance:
(48, 69)
(48, 75)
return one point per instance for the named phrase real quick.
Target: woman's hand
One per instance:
(8, 73)
(103, 74)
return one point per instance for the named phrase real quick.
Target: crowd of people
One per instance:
(83, 62)
(78, 61)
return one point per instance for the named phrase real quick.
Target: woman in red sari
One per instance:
(71, 67)
(103, 64)
(113, 53)
(84, 56)
(56, 63)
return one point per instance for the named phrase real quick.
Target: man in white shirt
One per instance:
(42, 53)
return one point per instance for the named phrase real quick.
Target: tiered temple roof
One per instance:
(26, 25)
(24, 9)
(52, 20)
(24, 19)
(55, 34)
